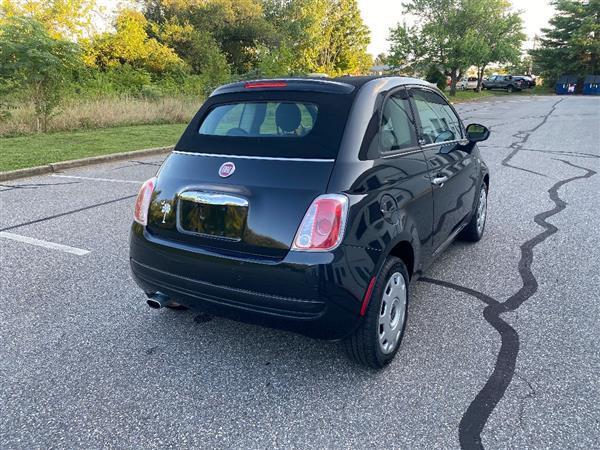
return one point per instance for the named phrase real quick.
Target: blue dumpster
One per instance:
(566, 85)
(591, 85)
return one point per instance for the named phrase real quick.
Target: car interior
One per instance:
(260, 119)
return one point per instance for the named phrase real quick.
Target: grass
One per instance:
(105, 112)
(468, 96)
(40, 149)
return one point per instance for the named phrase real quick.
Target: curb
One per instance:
(58, 166)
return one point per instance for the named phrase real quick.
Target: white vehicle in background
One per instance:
(467, 83)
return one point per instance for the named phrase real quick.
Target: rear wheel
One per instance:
(378, 338)
(473, 232)
(510, 89)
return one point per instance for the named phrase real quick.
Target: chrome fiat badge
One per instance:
(226, 169)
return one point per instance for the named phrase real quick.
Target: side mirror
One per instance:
(477, 133)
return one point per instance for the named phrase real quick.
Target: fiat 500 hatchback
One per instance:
(310, 205)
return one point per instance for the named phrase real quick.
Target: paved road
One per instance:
(502, 347)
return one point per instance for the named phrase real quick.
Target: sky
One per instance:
(381, 15)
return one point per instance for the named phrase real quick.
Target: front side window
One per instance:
(439, 123)
(260, 119)
(397, 125)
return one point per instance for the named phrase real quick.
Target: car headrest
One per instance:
(288, 117)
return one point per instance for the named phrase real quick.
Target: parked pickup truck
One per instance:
(506, 82)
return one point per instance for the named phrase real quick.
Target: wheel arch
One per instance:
(405, 251)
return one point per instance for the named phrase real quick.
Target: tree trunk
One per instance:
(480, 71)
(454, 75)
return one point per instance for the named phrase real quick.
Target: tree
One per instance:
(380, 59)
(500, 37)
(61, 18)
(571, 45)
(325, 36)
(449, 34)
(34, 61)
(239, 27)
(435, 75)
(197, 48)
(131, 45)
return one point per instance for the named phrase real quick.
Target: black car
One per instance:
(310, 205)
(506, 82)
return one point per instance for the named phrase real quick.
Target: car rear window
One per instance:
(287, 124)
(260, 119)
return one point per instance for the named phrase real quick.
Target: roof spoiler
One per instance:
(286, 84)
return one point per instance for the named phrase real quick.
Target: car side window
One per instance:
(397, 125)
(439, 123)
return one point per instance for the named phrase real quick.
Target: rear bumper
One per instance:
(315, 294)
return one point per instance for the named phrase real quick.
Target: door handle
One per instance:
(439, 181)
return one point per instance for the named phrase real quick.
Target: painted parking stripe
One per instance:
(45, 244)
(110, 180)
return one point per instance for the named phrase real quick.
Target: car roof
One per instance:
(338, 85)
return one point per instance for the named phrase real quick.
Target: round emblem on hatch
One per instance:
(226, 169)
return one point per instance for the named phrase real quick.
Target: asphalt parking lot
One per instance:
(502, 347)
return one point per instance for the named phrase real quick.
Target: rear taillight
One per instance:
(323, 225)
(142, 203)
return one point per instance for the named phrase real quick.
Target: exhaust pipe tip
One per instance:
(153, 304)
(157, 300)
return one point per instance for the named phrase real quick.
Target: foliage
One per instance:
(238, 26)
(113, 81)
(324, 36)
(197, 48)
(571, 45)
(500, 37)
(130, 44)
(33, 61)
(61, 18)
(380, 59)
(435, 75)
(451, 34)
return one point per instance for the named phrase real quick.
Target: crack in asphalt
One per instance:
(66, 213)
(523, 137)
(11, 187)
(481, 407)
(549, 152)
(531, 394)
(135, 163)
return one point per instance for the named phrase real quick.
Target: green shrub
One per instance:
(435, 75)
(115, 81)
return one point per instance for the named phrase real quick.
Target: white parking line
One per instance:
(110, 180)
(45, 244)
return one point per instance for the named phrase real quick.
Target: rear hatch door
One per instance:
(246, 171)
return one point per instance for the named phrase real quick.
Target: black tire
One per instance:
(472, 232)
(363, 346)
(510, 89)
